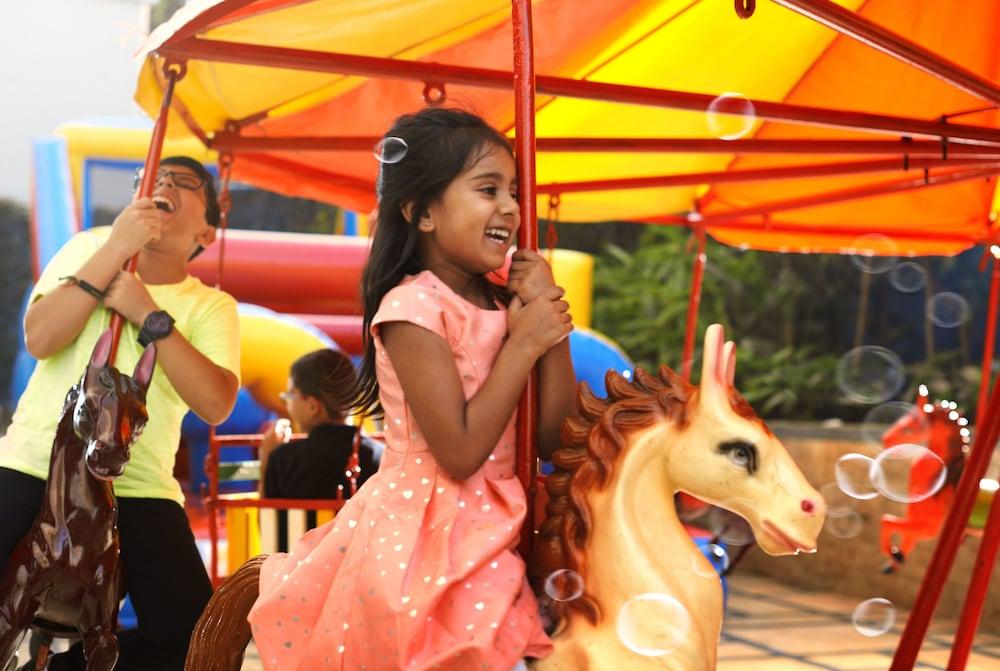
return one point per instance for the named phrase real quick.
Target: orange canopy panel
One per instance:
(887, 202)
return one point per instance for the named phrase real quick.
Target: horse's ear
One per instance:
(102, 350)
(729, 358)
(713, 372)
(143, 372)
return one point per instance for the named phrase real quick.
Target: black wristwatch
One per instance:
(157, 326)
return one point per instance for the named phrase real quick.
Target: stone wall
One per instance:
(852, 566)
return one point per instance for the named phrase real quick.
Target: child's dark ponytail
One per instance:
(439, 144)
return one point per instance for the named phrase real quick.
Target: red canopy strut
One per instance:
(527, 238)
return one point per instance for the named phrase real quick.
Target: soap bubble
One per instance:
(908, 473)
(853, 473)
(390, 149)
(873, 253)
(728, 526)
(844, 522)
(652, 624)
(731, 116)
(948, 309)
(908, 277)
(870, 374)
(883, 417)
(564, 585)
(874, 617)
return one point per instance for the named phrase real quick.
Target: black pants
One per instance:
(162, 571)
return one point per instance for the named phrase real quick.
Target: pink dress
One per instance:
(418, 571)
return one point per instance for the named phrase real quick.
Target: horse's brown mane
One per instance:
(592, 444)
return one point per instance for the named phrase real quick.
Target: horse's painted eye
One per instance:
(741, 453)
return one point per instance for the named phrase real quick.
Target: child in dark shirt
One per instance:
(314, 467)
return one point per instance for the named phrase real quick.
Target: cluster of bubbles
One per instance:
(650, 624)
(906, 473)
(877, 254)
(892, 474)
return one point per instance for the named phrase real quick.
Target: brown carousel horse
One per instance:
(611, 520)
(64, 574)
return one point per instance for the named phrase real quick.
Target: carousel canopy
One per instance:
(776, 132)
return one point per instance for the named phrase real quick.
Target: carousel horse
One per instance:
(945, 432)
(64, 574)
(611, 518)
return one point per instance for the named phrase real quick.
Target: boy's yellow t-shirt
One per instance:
(205, 316)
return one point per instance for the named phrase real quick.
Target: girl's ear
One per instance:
(426, 224)
(407, 210)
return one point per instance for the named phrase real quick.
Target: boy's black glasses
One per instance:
(182, 180)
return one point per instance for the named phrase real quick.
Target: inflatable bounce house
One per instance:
(297, 292)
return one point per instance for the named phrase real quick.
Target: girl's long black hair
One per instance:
(440, 144)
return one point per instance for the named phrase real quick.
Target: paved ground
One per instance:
(772, 627)
(776, 628)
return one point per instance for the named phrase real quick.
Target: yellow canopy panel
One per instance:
(243, 79)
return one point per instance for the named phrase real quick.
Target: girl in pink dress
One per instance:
(419, 570)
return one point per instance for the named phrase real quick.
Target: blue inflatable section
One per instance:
(55, 216)
(595, 354)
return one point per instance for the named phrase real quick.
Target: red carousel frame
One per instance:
(977, 154)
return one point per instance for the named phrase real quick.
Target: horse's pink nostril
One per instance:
(808, 506)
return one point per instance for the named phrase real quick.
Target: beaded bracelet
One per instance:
(85, 285)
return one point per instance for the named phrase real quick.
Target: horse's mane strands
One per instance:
(592, 444)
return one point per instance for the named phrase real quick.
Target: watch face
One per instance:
(159, 324)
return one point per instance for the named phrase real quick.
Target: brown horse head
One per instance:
(110, 410)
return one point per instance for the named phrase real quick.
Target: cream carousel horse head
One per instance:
(628, 586)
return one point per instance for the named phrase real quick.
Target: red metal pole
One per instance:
(527, 237)
(868, 32)
(975, 595)
(694, 302)
(230, 141)
(761, 174)
(148, 183)
(392, 68)
(989, 342)
(211, 504)
(936, 573)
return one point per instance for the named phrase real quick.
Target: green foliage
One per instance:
(787, 313)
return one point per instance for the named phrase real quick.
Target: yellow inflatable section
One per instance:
(269, 344)
(574, 272)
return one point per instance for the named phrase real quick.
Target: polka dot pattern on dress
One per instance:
(441, 572)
